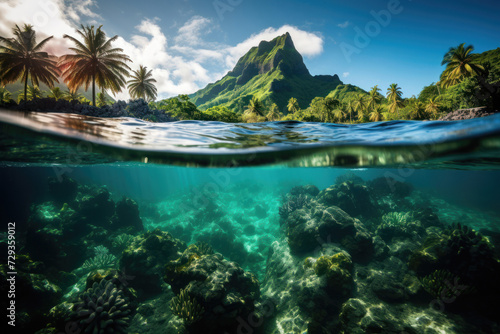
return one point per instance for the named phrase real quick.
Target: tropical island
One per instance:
(269, 83)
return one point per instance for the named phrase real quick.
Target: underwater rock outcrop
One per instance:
(221, 288)
(353, 198)
(145, 257)
(127, 216)
(309, 224)
(464, 258)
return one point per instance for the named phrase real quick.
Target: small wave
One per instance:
(462, 144)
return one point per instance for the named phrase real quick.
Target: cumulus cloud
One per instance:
(181, 64)
(192, 31)
(344, 24)
(345, 74)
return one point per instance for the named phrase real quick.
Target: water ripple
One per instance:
(291, 143)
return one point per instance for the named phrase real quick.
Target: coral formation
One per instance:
(102, 309)
(338, 272)
(145, 257)
(353, 198)
(100, 261)
(186, 308)
(224, 290)
(442, 284)
(399, 224)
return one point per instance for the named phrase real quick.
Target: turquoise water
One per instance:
(295, 227)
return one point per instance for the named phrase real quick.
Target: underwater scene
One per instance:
(277, 227)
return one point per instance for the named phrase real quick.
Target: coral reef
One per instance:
(399, 224)
(443, 284)
(145, 257)
(186, 308)
(338, 272)
(127, 216)
(102, 309)
(224, 290)
(100, 261)
(353, 198)
(464, 253)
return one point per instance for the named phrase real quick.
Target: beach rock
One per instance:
(462, 114)
(135, 108)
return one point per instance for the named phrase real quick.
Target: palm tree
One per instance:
(254, 110)
(56, 93)
(350, 109)
(274, 113)
(101, 99)
(328, 105)
(72, 95)
(338, 114)
(141, 86)
(376, 114)
(5, 96)
(460, 64)
(394, 96)
(432, 106)
(418, 111)
(293, 105)
(94, 61)
(21, 58)
(360, 106)
(255, 107)
(373, 97)
(32, 92)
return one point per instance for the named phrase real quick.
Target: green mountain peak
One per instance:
(273, 71)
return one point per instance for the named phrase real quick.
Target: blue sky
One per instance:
(190, 43)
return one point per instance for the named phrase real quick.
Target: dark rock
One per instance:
(462, 114)
(224, 290)
(135, 108)
(388, 186)
(355, 199)
(388, 288)
(127, 216)
(97, 208)
(380, 248)
(145, 257)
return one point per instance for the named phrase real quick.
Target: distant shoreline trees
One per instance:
(466, 82)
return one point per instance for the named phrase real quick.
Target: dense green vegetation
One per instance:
(271, 72)
(468, 80)
(269, 83)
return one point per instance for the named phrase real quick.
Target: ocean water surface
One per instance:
(126, 226)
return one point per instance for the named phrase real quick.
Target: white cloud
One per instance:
(344, 24)
(191, 32)
(181, 64)
(345, 74)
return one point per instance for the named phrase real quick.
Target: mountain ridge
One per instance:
(273, 71)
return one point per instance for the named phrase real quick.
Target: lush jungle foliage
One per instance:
(468, 80)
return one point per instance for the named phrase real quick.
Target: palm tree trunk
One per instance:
(26, 89)
(93, 90)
